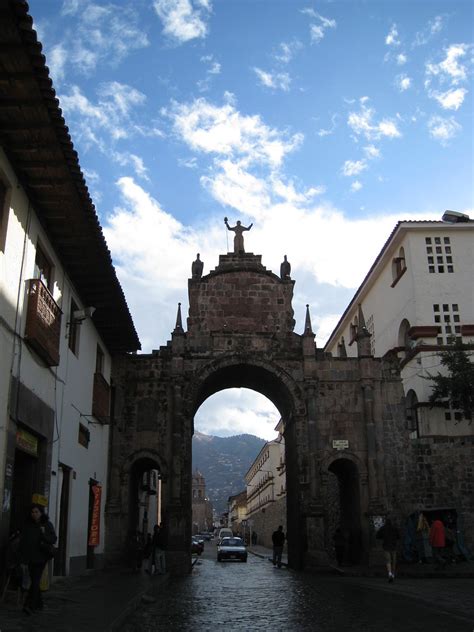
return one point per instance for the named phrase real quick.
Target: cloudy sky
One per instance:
(323, 123)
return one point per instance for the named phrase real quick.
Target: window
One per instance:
(99, 361)
(43, 267)
(74, 329)
(450, 314)
(443, 261)
(84, 436)
(398, 266)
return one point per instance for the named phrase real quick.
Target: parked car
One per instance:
(197, 547)
(231, 549)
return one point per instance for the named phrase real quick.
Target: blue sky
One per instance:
(324, 123)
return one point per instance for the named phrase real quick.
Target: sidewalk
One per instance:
(265, 553)
(461, 570)
(96, 601)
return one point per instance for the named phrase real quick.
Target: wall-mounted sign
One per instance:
(39, 499)
(340, 444)
(94, 531)
(27, 442)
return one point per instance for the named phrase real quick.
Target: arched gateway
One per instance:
(240, 334)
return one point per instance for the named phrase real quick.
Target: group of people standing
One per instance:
(152, 549)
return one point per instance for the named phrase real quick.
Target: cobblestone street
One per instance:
(256, 596)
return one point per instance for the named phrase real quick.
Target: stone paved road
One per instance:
(257, 597)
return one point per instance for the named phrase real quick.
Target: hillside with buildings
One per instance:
(224, 461)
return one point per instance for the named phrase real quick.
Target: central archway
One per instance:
(241, 371)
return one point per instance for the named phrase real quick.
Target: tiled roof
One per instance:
(36, 140)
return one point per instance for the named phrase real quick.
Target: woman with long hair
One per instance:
(36, 544)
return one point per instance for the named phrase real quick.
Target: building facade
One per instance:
(62, 315)
(201, 505)
(416, 300)
(266, 490)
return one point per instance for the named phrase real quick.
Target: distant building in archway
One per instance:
(201, 505)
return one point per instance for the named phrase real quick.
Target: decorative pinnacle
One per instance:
(308, 329)
(179, 322)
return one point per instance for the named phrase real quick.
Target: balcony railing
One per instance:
(43, 322)
(101, 399)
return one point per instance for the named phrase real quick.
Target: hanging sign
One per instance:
(94, 531)
(340, 444)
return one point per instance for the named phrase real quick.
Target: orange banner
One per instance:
(94, 531)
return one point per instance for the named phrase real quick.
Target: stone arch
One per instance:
(141, 476)
(246, 371)
(346, 507)
(274, 382)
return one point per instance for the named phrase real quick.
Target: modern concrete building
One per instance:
(63, 315)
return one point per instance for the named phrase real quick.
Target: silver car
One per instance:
(231, 549)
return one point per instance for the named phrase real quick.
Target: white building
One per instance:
(62, 315)
(417, 298)
(266, 489)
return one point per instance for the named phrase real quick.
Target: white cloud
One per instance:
(327, 132)
(213, 69)
(277, 81)
(403, 82)
(318, 28)
(443, 129)
(183, 20)
(353, 167)
(102, 35)
(356, 186)
(362, 124)
(452, 99)
(287, 50)
(392, 37)
(237, 411)
(224, 131)
(402, 59)
(432, 28)
(372, 152)
(189, 163)
(450, 68)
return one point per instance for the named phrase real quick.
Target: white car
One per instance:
(231, 549)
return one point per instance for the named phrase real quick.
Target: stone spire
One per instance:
(363, 336)
(308, 329)
(179, 322)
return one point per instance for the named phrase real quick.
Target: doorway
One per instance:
(60, 559)
(25, 476)
(347, 514)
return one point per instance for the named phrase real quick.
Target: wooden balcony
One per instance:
(101, 399)
(43, 322)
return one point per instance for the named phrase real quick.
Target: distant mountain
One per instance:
(223, 461)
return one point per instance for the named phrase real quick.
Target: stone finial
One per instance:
(308, 328)
(362, 336)
(341, 348)
(179, 322)
(285, 269)
(196, 268)
(238, 229)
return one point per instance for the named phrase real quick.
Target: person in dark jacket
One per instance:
(389, 535)
(36, 543)
(278, 539)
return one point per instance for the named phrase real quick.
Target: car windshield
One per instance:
(232, 542)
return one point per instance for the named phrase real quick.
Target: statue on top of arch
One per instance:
(238, 229)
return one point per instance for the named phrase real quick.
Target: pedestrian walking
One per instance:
(339, 545)
(438, 542)
(389, 535)
(35, 549)
(422, 539)
(278, 539)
